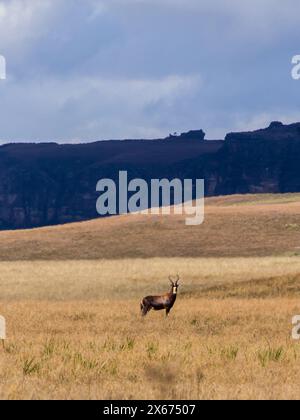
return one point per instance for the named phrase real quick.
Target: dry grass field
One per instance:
(255, 225)
(71, 295)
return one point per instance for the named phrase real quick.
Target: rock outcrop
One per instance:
(46, 184)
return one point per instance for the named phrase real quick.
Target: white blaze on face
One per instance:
(174, 290)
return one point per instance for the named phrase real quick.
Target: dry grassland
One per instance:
(234, 226)
(74, 330)
(73, 324)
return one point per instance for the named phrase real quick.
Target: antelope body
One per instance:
(163, 302)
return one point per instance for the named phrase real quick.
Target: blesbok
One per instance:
(159, 303)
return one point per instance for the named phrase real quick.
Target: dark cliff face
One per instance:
(261, 161)
(45, 184)
(275, 131)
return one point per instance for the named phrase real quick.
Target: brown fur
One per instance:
(162, 302)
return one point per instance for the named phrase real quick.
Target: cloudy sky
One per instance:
(82, 70)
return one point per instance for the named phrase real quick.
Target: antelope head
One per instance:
(174, 284)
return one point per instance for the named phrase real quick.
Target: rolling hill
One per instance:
(71, 293)
(241, 225)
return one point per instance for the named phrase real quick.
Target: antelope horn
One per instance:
(170, 278)
(178, 278)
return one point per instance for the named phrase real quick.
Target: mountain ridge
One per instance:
(45, 184)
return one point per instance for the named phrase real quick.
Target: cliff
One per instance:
(46, 184)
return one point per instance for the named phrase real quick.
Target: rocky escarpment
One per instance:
(260, 161)
(275, 131)
(46, 184)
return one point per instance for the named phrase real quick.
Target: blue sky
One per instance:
(83, 70)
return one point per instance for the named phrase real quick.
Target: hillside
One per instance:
(47, 184)
(246, 225)
(74, 327)
(52, 184)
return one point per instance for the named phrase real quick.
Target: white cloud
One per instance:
(22, 21)
(127, 68)
(91, 108)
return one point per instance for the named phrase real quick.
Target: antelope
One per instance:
(159, 303)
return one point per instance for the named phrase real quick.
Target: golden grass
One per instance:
(207, 349)
(130, 278)
(74, 330)
(234, 226)
(71, 294)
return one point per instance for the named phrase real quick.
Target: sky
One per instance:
(84, 70)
